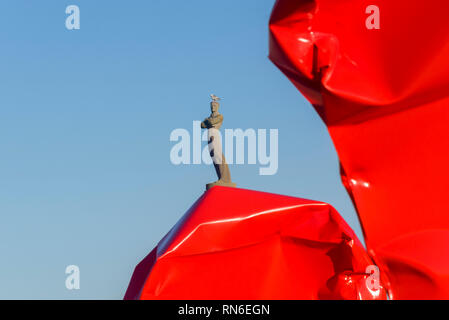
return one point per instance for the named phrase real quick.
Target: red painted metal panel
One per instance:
(242, 244)
(383, 93)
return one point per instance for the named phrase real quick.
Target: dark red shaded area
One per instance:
(242, 244)
(140, 275)
(384, 96)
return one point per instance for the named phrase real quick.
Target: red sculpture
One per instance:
(383, 93)
(242, 244)
(378, 76)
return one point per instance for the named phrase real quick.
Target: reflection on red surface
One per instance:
(384, 96)
(242, 244)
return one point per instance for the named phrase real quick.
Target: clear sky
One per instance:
(85, 120)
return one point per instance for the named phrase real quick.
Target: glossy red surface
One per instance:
(242, 244)
(383, 93)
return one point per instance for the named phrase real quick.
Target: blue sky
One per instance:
(85, 120)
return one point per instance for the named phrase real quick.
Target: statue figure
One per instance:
(213, 124)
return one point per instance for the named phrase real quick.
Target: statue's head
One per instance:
(214, 105)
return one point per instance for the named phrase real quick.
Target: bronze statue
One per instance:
(213, 124)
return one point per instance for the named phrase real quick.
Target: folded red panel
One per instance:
(378, 75)
(242, 244)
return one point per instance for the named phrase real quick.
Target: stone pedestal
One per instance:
(220, 183)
